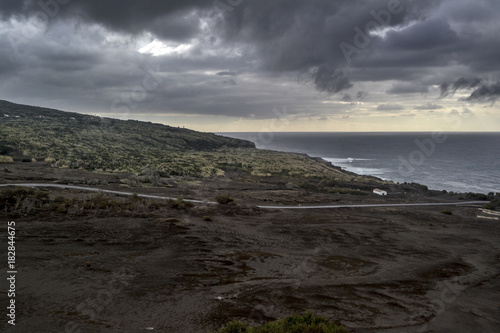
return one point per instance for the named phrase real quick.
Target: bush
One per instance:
(490, 206)
(420, 187)
(180, 204)
(28, 200)
(476, 196)
(447, 212)
(307, 323)
(6, 159)
(347, 191)
(224, 199)
(493, 205)
(207, 218)
(22, 199)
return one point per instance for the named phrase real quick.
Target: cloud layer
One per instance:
(242, 58)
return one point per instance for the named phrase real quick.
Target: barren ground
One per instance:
(372, 270)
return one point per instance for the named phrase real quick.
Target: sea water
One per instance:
(460, 162)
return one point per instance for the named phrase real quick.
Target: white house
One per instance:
(379, 192)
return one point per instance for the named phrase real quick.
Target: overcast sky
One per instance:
(252, 65)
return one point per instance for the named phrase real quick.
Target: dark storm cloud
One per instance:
(285, 35)
(442, 39)
(419, 45)
(423, 45)
(485, 92)
(302, 36)
(461, 83)
(425, 35)
(330, 80)
(168, 19)
(361, 95)
(346, 98)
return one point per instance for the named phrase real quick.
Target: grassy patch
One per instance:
(6, 159)
(28, 200)
(332, 186)
(307, 323)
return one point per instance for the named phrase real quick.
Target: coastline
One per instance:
(399, 166)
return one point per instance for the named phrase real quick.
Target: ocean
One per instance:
(459, 162)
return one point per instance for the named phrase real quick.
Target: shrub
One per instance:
(490, 206)
(447, 212)
(236, 327)
(224, 199)
(6, 159)
(207, 218)
(23, 199)
(28, 200)
(180, 204)
(493, 205)
(347, 191)
(420, 187)
(307, 323)
(476, 196)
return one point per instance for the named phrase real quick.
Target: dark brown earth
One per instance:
(372, 270)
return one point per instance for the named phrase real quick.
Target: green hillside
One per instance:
(77, 140)
(72, 140)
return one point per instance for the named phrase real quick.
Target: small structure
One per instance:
(379, 191)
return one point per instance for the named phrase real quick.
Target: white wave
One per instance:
(336, 160)
(367, 171)
(347, 164)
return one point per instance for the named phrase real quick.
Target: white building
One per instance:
(379, 192)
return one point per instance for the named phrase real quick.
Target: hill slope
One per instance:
(92, 142)
(73, 140)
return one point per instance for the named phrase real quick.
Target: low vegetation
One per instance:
(494, 204)
(31, 201)
(307, 323)
(180, 204)
(91, 142)
(476, 196)
(224, 199)
(6, 159)
(336, 186)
